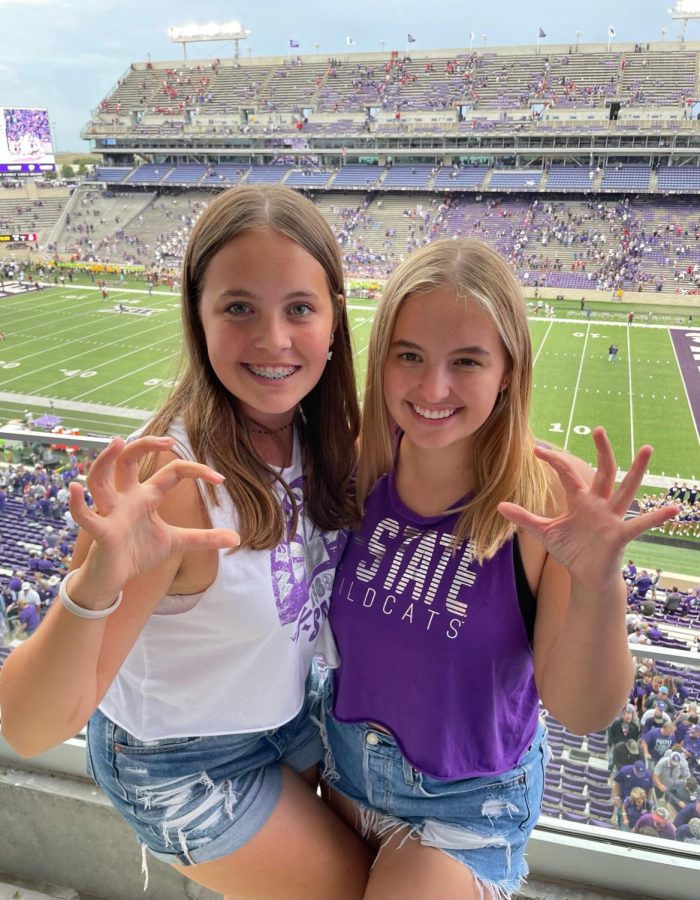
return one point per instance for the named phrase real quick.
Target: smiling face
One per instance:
(444, 370)
(268, 321)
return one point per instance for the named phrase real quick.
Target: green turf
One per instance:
(103, 371)
(667, 557)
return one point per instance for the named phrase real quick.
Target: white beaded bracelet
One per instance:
(80, 611)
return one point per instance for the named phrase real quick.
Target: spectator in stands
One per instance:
(624, 728)
(656, 741)
(689, 811)
(660, 700)
(673, 600)
(624, 753)
(639, 634)
(656, 823)
(14, 585)
(691, 747)
(417, 377)
(642, 584)
(647, 607)
(679, 694)
(29, 618)
(266, 401)
(29, 594)
(635, 776)
(670, 770)
(690, 833)
(634, 807)
(679, 795)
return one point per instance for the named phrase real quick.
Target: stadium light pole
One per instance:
(53, 135)
(317, 46)
(684, 11)
(231, 31)
(578, 38)
(381, 44)
(483, 38)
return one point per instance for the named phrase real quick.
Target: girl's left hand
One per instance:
(589, 538)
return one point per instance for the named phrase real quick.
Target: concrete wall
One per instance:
(62, 830)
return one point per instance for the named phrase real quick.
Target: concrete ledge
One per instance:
(61, 830)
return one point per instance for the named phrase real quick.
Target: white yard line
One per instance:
(104, 384)
(59, 349)
(542, 343)
(578, 381)
(629, 388)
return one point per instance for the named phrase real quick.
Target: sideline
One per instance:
(76, 406)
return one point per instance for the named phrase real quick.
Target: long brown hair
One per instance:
(328, 418)
(504, 464)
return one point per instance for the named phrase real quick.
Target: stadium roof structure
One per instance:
(511, 106)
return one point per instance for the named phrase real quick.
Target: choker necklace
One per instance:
(259, 430)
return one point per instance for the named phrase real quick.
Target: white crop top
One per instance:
(236, 658)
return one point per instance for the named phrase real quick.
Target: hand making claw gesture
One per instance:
(589, 537)
(129, 536)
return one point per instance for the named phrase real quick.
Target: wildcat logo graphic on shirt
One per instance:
(303, 567)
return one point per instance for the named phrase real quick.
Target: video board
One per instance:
(25, 141)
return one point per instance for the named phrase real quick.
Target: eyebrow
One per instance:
(250, 295)
(475, 350)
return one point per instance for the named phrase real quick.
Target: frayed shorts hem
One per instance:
(193, 800)
(482, 822)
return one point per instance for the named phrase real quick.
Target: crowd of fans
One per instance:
(37, 496)
(654, 758)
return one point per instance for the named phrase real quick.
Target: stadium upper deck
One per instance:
(636, 100)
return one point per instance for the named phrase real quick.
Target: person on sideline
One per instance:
(196, 678)
(482, 558)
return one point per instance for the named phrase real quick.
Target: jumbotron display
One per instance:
(25, 141)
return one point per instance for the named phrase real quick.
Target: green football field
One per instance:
(68, 352)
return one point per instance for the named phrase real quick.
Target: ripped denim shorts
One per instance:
(192, 800)
(482, 822)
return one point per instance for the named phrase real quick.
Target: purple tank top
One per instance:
(433, 646)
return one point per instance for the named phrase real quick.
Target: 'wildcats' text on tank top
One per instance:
(432, 645)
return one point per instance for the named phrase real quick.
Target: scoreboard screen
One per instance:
(25, 141)
(18, 238)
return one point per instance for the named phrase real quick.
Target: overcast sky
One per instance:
(67, 54)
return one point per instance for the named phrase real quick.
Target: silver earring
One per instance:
(330, 355)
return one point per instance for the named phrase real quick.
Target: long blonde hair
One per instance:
(328, 415)
(504, 464)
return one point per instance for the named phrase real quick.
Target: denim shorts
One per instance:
(192, 800)
(482, 822)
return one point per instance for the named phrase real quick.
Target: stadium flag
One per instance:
(542, 34)
(611, 31)
(411, 39)
(349, 41)
(293, 43)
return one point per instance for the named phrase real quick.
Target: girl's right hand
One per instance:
(129, 537)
